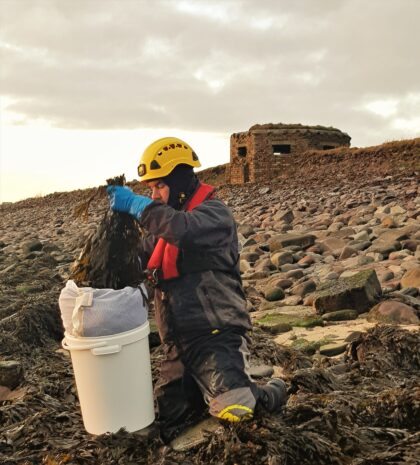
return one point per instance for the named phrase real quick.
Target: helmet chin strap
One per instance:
(182, 198)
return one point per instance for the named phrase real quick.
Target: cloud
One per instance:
(213, 66)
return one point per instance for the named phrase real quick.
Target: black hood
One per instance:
(182, 183)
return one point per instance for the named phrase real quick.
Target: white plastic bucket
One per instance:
(113, 379)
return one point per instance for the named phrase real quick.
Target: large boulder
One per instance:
(280, 241)
(358, 292)
(394, 312)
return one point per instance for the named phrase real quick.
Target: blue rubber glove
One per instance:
(123, 199)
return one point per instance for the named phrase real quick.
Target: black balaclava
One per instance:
(182, 182)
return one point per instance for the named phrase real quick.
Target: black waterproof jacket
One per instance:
(208, 296)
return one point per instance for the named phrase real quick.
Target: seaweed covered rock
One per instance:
(358, 292)
(387, 348)
(110, 257)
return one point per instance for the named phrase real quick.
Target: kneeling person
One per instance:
(191, 253)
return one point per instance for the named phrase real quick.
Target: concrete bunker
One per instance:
(262, 152)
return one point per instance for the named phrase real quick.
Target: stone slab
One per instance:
(195, 435)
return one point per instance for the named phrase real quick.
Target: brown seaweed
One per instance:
(110, 257)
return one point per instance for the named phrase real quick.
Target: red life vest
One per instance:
(165, 255)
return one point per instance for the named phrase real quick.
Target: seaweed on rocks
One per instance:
(314, 380)
(387, 348)
(268, 352)
(359, 408)
(110, 257)
(338, 413)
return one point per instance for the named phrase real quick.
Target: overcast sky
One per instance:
(87, 84)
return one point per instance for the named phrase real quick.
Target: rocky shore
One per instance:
(331, 270)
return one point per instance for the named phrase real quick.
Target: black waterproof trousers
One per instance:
(212, 371)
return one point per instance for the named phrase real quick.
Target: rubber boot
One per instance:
(273, 395)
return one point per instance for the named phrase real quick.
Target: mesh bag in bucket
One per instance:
(89, 312)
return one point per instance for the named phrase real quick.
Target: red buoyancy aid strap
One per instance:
(164, 256)
(204, 192)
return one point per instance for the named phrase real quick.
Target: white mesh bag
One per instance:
(89, 312)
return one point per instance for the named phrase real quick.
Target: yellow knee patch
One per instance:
(235, 413)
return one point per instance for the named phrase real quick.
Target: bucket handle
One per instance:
(82, 347)
(106, 350)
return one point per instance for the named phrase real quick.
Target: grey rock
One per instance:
(256, 275)
(250, 257)
(273, 293)
(361, 236)
(336, 226)
(249, 241)
(377, 257)
(410, 244)
(413, 291)
(284, 283)
(279, 328)
(358, 292)
(289, 267)
(261, 371)
(281, 258)
(386, 275)
(264, 264)
(347, 252)
(331, 275)
(304, 288)
(292, 300)
(398, 234)
(195, 435)
(333, 349)
(246, 230)
(244, 266)
(344, 232)
(384, 248)
(360, 245)
(284, 240)
(284, 215)
(332, 243)
(11, 373)
(294, 274)
(340, 315)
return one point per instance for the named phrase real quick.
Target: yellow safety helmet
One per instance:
(163, 155)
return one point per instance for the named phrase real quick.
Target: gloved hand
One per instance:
(123, 199)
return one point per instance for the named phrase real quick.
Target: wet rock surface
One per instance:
(354, 395)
